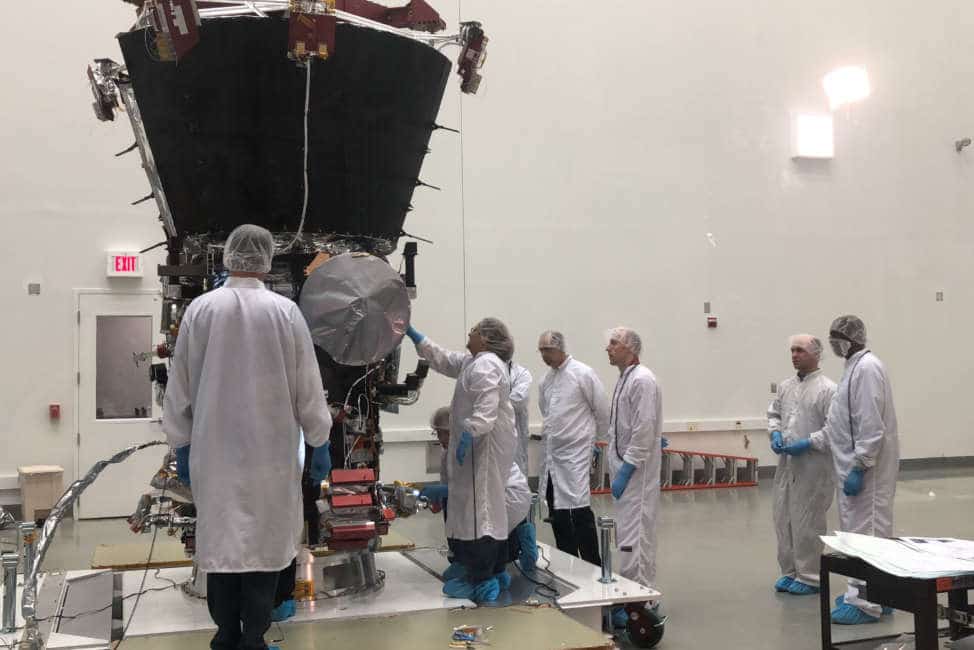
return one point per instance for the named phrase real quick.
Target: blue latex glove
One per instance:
(182, 464)
(853, 483)
(434, 493)
(466, 439)
(414, 335)
(798, 447)
(777, 442)
(664, 442)
(320, 463)
(622, 479)
(527, 541)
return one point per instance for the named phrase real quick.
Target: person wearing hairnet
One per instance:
(522, 542)
(520, 399)
(635, 454)
(481, 452)
(574, 409)
(243, 384)
(804, 482)
(862, 435)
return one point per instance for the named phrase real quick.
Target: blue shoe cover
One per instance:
(839, 600)
(273, 647)
(620, 617)
(455, 570)
(503, 580)
(283, 611)
(783, 583)
(887, 611)
(799, 588)
(849, 615)
(486, 591)
(458, 588)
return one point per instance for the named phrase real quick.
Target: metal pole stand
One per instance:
(9, 563)
(607, 526)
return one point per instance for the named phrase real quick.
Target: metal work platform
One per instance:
(689, 470)
(101, 604)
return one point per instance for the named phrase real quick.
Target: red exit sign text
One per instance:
(124, 265)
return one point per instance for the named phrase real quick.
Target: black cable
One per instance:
(145, 574)
(553, 593)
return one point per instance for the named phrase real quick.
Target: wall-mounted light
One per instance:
(812, 136)
(846, 85)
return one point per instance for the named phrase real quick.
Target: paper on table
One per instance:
(913, 557)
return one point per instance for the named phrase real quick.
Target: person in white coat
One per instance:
(480, 455)
(520, 399)
(862, 435)
(243, 384)
(522, 538)
(575, 410)
(635, 454)
(804, 482)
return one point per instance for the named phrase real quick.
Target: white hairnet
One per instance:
(441, 418)
(552, 339)
(850, 328)
(808, 343)
(249, 249)
(628, 337)
(496, 337)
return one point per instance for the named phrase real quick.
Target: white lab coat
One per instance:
(803, 485)
(866, 437)
(517, 493)
(520, 399)
(575, 410)
(635, 430)
(243, 380)
(481, 405)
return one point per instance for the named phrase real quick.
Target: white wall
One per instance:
(64, 201)
(607, 140)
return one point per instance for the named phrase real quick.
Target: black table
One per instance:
(915, 595)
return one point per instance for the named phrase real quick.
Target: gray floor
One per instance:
(716, 559)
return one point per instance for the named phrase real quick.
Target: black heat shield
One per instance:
(226, 127)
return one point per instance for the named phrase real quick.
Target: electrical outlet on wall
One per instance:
(692, 426)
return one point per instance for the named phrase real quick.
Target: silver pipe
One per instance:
(606, 526)
(9, 562)
(29, 599)
(28, 539)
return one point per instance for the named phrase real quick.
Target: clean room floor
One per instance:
(716, 559)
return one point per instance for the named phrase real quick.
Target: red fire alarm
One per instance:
(712, 322)
(54, 411)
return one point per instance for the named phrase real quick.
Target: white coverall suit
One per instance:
(520, 399)
(243, 378)
(635, 429)
(861, 431)
(481, 405)
(803, 485)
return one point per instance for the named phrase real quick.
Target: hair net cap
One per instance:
(496, 337)
(851, 327)
(552, 339)
(808, 343)
(249, 249)
(628, 337)
(441, 418)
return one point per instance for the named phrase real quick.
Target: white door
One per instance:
(116, 404)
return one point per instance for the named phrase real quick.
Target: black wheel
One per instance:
(645, 627)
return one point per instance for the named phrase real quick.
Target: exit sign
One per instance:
(127, 265)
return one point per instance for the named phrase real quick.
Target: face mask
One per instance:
(840, 347)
